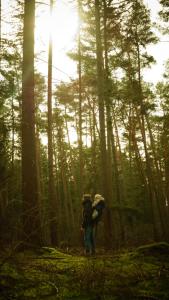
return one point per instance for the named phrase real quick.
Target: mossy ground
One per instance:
(54, 275)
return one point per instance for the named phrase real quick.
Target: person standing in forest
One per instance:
(98, 205)
(87, 224)
(97, 208)
(92, 212)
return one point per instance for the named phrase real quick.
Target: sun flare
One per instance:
(63, 27)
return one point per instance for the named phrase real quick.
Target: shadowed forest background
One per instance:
(121, 123)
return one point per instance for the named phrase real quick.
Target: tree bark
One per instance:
(105, 186)
(80, 143)
(31, 218)
(52, 194)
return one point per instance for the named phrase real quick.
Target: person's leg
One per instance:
(87, 239)
(93, 241)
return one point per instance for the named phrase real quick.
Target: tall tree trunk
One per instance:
(94, 131)
(105, 186)
(74, 205)
(119, 160)
(52, 194)
(108, 109)
(0, 32)
(165, 147)
(31, 218)
(80, 143)
(68, 214)
(13, 128)
(111, 151)
(72, 164)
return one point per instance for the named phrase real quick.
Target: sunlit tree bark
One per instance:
(31, 219)
(80, 142)
(52, 194)
(105, 184)
(111, 149)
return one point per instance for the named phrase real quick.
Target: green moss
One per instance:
(44, 289)
(9, 269)
(54, 275)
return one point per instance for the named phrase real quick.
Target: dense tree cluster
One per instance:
(121, 123)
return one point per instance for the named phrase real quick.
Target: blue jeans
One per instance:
(89, 239)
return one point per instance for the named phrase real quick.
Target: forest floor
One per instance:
(50, 274)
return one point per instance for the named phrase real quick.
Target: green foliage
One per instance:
(164, 13)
